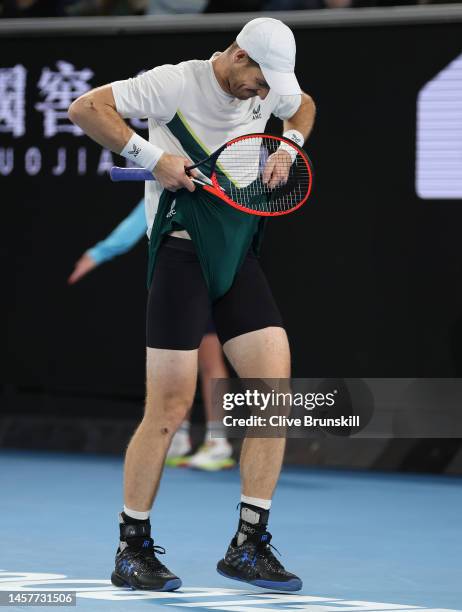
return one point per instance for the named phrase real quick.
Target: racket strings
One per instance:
(256, 178)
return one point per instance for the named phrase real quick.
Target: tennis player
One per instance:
(203, 251)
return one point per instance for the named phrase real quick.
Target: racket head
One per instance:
(239, 173)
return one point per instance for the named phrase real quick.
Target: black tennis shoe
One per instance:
(253, 562)
(137, 566)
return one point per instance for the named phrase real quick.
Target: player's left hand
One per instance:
(277, 168)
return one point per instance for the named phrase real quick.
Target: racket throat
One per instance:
(204, 181)
(211, 189)
(208, 185)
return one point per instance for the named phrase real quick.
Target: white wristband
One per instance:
(142, 152)
(297, 138)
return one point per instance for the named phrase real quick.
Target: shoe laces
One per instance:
(149, 555)
(264, 548)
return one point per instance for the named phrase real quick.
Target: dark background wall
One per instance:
(367, 275)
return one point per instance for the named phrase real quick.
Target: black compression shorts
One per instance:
(179, 308)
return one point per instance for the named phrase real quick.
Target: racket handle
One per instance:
(130, 174)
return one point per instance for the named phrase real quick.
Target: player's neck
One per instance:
(220, 69)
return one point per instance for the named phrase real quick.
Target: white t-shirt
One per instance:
(190, 91)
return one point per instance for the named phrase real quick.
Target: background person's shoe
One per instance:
(212, 456)
(179, 448)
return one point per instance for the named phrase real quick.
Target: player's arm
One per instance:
(96, 114)
(296, 128)
(303, 120)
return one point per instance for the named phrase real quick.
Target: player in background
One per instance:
(216, 452)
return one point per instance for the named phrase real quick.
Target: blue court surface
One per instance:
(360, 541)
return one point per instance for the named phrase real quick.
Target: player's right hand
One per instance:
(170, 172)
(82, 267)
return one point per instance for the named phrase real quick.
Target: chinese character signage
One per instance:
(12, 100)
(36, 135)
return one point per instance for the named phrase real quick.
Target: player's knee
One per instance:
(167, 412)
(176, 407)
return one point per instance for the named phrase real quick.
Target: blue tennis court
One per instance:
(360, 541)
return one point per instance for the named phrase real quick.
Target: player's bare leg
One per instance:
(171, 382)
(170, 387)
(259, 354)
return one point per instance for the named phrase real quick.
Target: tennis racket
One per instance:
(250, 174)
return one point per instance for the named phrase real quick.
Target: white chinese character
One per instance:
(59, 89)
(12, 100)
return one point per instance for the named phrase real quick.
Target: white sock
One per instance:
(215, 431)
(265, 504)
(135, 514)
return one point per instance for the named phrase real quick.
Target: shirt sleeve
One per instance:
(155, 93)
(287, 106)
(123, 238)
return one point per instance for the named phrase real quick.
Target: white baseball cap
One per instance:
(271, 44)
